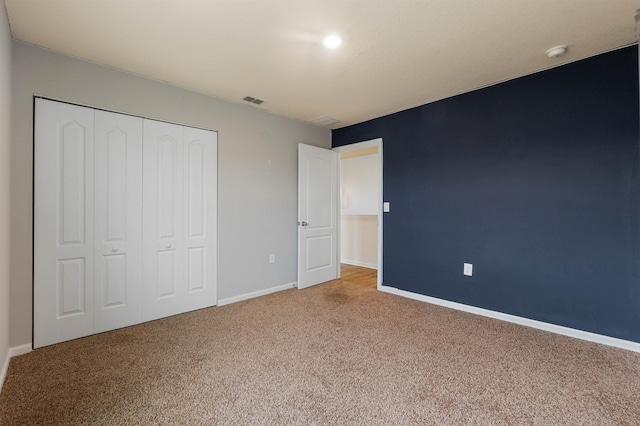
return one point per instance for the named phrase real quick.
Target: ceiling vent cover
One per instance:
(324, 120)
(253, 100)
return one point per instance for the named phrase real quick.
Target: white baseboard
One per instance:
(5, 367)
(259, 293)
(362, 264)
(18, 350)
(558, 329)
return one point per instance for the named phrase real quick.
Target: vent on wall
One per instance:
(324, 120)
(253, 100)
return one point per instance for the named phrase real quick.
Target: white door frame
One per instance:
(351, 147)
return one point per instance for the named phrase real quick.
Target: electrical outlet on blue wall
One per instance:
(468, 269)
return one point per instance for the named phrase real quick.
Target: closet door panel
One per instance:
(196, 259)
(168, 182)
(201, 216)
(71, 284)
(163, 243)
(167, 266)
(118, 221)
(63, 222)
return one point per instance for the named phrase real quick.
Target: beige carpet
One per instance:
(337, 353)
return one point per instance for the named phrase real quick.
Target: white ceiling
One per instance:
(396, 54)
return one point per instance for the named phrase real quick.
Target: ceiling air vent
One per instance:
(324, 120)
(253, 100)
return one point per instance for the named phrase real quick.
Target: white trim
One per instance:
(557, 329)
(359, 145)
(362, 264)
(338, 208)
(259, 293)
(15, 351)
(20, 350)
(360, 216)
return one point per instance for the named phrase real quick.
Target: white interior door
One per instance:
(63, 222)
(118, 221)
(317, 215)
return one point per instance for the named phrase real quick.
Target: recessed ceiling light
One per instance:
(332, 41)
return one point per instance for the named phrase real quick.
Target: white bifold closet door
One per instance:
(118, 221)
(125, 217)
(88, 222)
(179, 233)
(63, 222)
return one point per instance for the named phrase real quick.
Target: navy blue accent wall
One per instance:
(535, 181)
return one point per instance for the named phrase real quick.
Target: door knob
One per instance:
(168, 245)
(114, 250)
(303, 223)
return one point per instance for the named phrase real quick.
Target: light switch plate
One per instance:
(468, 269)
(386, 207)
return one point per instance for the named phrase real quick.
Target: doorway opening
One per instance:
(360, 206)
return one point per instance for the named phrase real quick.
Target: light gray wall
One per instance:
(257, 169)
(5, 188)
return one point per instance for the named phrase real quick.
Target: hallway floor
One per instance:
(358, 275)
